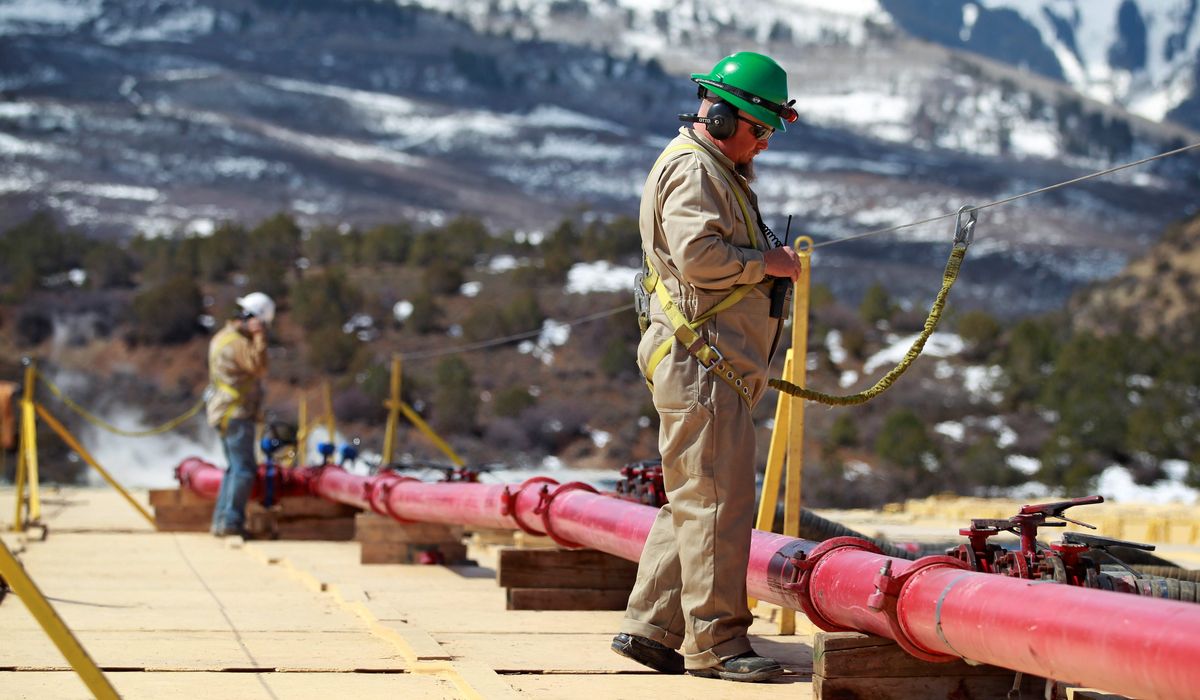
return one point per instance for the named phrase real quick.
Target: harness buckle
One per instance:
(717, 361)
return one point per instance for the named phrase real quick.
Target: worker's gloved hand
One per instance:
(782, 262)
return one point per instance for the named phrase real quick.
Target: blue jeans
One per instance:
(229, 515)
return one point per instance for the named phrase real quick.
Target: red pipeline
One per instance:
(933, 607)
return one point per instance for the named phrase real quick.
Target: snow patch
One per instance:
(1116, 484)
(951, 429)
(600, 276)
(938, 345)
(553, 334)
(1024, 464)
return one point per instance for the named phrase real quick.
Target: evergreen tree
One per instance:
(455, 399)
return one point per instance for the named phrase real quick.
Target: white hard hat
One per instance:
(258, 304)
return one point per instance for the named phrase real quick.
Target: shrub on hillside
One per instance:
(455, 399)
(425, 313)
(904, 440)
(35, 248)
(844, 432)
(385, 244)
(512, 402)
(222, 252)
(876, 305)
(108, 265)
(325, 298)
(167, 313)
(979, 330)
(33, 328)
(329, 350)
(523, 313)
(443, 275)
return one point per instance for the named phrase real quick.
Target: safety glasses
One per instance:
(759, 131)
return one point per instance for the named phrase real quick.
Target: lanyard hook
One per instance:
(964, 231)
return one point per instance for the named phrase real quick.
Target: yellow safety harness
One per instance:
(237, 393)
(709, 357)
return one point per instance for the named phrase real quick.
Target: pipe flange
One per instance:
(384, 484)
(888, 592)
(508, 503)
(802, 576)
(543, 509)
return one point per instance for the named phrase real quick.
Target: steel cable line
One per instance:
(1007, 200)
(484, 344)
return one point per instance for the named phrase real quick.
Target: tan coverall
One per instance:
(691, 586)
(236, 365)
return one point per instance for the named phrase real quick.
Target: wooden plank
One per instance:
(409, 552)
(310, 506)
(925, 687)
(563, 568)
(370, 527)
(183, 518)
(163, 497)
(567, 598)
(1091, 694)
(329, 529)
(852, 655)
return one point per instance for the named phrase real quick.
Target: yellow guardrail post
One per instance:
(68, 438)
(18, 521)
(27, 467)
(54, 626)
(793, 500)
(327, 399)
(393, 419)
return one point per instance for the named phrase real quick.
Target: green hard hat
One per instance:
(753, 83)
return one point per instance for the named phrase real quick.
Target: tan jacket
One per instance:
(697, 238)
(236, 366)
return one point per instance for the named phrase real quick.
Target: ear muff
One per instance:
(723, 120)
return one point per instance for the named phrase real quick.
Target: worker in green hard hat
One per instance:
(704, 302)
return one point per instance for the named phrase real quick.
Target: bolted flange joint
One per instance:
(509, 498)
(890, 588)
(546, 497)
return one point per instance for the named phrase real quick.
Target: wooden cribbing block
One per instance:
(180, 510)
(567, 598)
(386, 541)
(302, 518)
(292, 518)
(564, 579)
(850, 665)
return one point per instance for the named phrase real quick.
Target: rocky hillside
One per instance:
(1158, 294)
(169, 118)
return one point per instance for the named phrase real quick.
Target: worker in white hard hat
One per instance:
(237, 365)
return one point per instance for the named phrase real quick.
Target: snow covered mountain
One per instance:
(165, 116)
(1141, 54)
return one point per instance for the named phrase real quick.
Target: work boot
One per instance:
(648, 652)
(748, 667)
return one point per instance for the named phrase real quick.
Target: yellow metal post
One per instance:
(54, 626)
(393, 419)
(68, 438)
(769, 499)
(302, 432)
(29, 445)
(327, 397)
(18, 521)
(793, 501)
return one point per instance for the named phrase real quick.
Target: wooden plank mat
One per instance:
(65, 685)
